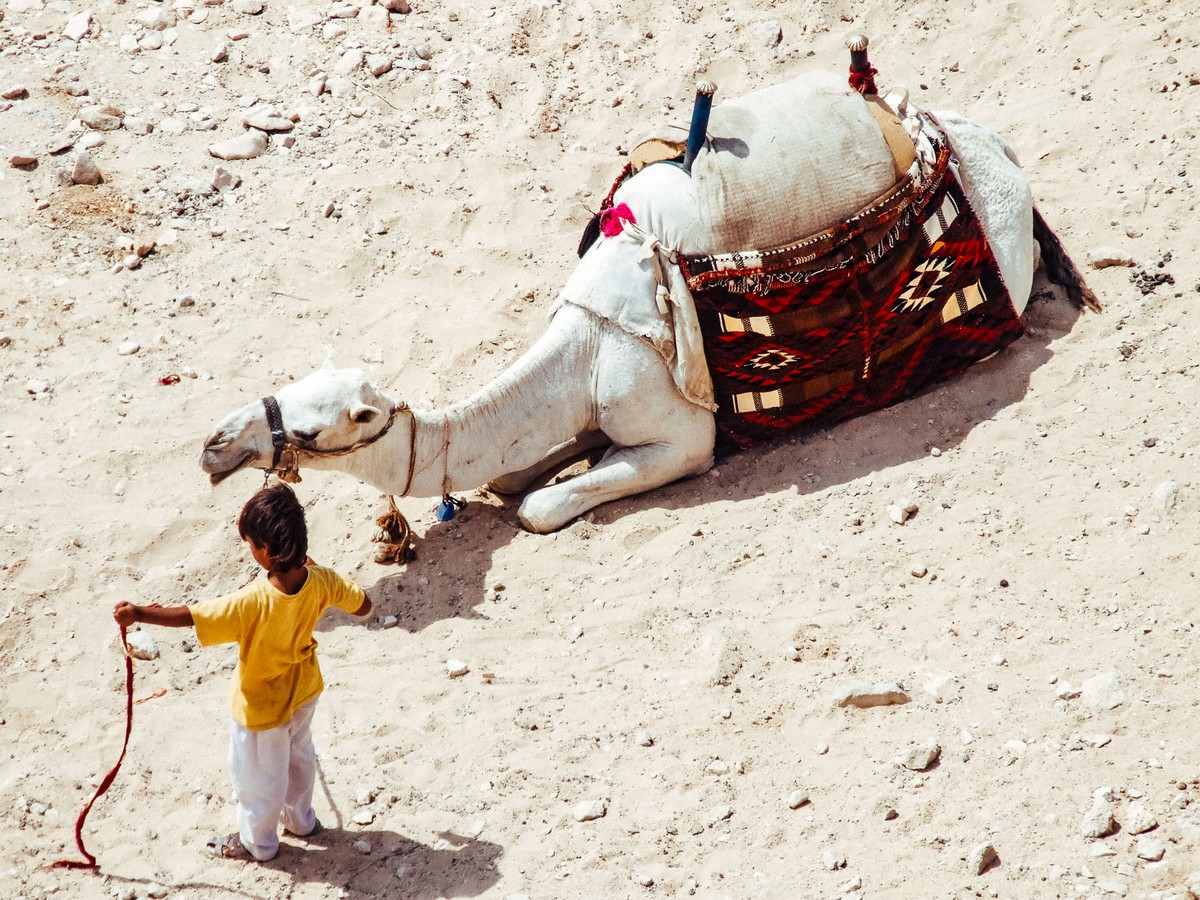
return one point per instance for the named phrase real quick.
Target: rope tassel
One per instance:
(395, 534)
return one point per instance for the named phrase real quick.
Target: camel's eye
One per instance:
(306, 437)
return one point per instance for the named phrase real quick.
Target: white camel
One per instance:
(590, 381)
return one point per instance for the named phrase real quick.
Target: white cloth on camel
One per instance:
(633, 281)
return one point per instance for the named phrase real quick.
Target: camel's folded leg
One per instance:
(625, 471)
(567, 451)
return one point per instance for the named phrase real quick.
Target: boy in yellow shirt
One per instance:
(274, 693)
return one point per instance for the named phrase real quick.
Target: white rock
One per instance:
(78, 26)
(248, 7)
(128, 348)
(151, 40)
(1139, 819)
(138, 126)
(156, 890)
(101, 118)
(897, 514)
(588, 810)
(267, 119)
(1165, 496)
(1099, 820)
(351, 61)
(1103, 691)
(797, 799)
(1103, 257)
(364, 817)
(1150, 848)
(456, 668)
(156, 18)
(141, 645)
(378, 63)
(1066, 691)
(250, 145)
(921, 756)
(980, 858)
(643, 738)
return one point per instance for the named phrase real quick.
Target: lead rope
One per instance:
(108, 779)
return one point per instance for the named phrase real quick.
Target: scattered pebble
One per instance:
(588, 810)
(643, 738)
(456, 668)
(797, 799)
(250, 145)
(142, 645)
(921, 756)
(1103, 691)
(864, 696)
(981, 857)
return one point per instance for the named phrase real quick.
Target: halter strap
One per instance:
(275, 423)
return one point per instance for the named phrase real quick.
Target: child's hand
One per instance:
(125, 613)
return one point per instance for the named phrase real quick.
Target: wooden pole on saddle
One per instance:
(862, 73)
(699, 127)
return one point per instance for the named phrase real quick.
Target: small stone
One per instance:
(151, 40)
(1103, 691)
(1099, 820)
(980, 858)
(220, 54)
(797, 799)
(250, 145)
(138, 126)
(100, 118)
(922, 756)
(128, 348)
(78, 26)
(1103, 257)
(363, 817)
(590, 809)
(1139, 819)
(378, 64)
(456, 668)
(267, 120)
(351, 61)
(897, 514)
(248, 7)
(142, 645)
(363, 847)
(156, 890)
(865, 696)
(397, 6)
(223, 179)
(16, 92)
(717, 767)
(643, 738)
(22, 158)
(1165, 496)
(1150, 848)
(918, 570)
(1066, 691)
(84, 169)
(769, 34)
(156, 18)
(388, 622)
(833, 860)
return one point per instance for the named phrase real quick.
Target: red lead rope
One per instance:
(108, 779)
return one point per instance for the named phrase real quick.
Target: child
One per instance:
(274, 693)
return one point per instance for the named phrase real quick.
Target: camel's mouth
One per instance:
(219, 466)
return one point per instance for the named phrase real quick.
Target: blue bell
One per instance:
(449, 507)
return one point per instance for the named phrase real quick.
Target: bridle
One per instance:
(285, 459)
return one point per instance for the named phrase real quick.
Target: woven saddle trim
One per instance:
(893, 208)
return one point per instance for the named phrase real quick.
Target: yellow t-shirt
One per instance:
(277, 655)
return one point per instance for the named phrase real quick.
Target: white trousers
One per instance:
(273, 775)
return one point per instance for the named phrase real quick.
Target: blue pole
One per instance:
(699, 127)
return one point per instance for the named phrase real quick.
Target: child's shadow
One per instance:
(382, 863)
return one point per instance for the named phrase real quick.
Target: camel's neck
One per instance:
(511, 423)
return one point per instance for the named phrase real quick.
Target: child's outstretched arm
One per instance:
(127, 613)
(365, 609)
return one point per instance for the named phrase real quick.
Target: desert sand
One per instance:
(673, 659)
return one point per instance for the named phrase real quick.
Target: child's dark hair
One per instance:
(274, 519)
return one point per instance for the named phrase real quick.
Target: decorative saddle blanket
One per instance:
(903, 295)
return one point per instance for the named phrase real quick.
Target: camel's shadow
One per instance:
(941, 416)
(447, 579)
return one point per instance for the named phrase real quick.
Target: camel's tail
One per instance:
(1059, 267)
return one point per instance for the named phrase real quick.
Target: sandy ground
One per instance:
(420, 224)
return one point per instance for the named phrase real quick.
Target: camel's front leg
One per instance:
(567, 451)
(623, 472)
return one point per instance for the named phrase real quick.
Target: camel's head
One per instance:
(327, 411)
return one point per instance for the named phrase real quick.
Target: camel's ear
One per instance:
(362, 414)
